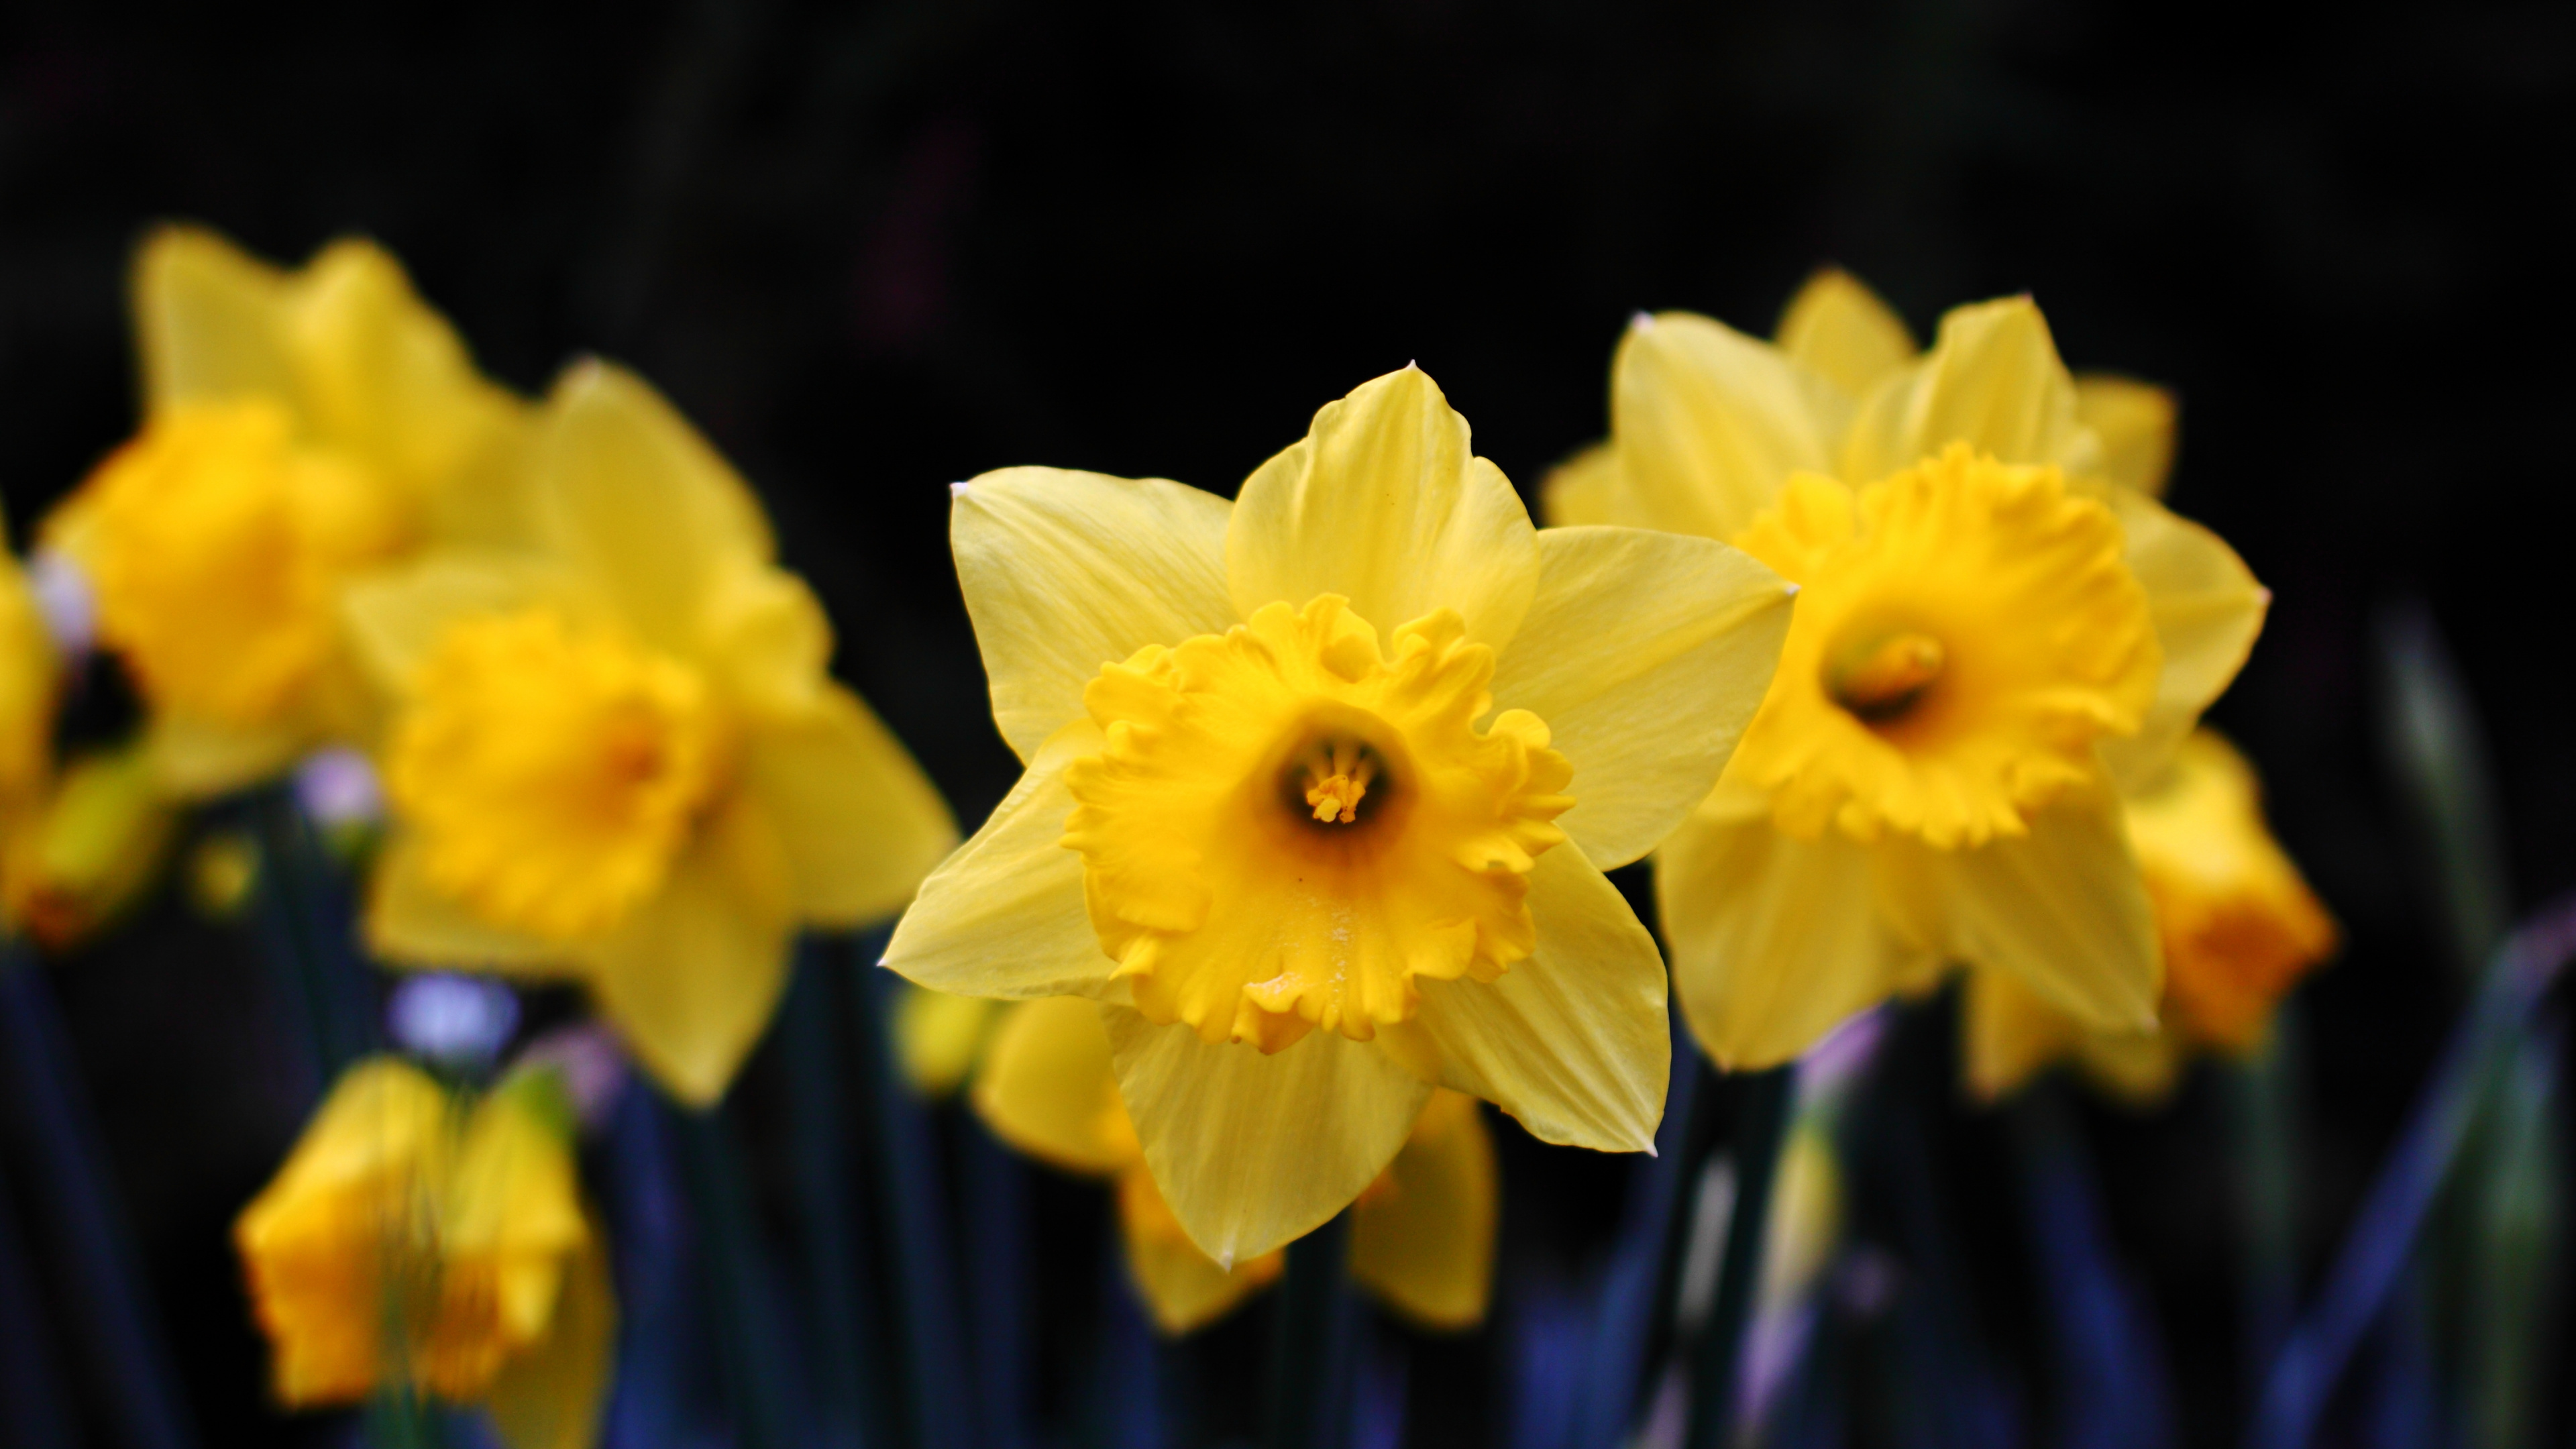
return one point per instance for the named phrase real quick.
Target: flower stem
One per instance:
(29, 1400)
(1761, 1124)
(87, 1219)
(1310, 1343)
(307, 931)
(752, 1359)
(851, 1404)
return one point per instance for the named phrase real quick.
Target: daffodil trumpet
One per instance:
(1320, 787)
(2000, 632)
(614, 756)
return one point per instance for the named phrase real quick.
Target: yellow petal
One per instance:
(208, 320)
(1588, 489)
(767, 640)
(2011, 1033)
(1423, 1243)
(396, 617)
(409, 922)
(1775, 940)
(1383, 503)
(1253, 1149)
(1841, 330)
(2135, 422)
(2139, 1069)
(938, 1038)
(643, 504)
(1709, 422)
(1184, 1288)
(2063, 908)
(1064, 572)
(1646, 654)
(860, 822)
(1004, 916)
(195, 758)
(1992, 380)
(1572, 1040)
(550, 1394)
(2207, 610)
(692, 977)
(1047, 1087)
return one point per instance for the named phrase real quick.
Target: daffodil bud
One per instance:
(100, 844)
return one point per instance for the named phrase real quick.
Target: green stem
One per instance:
(1761, 1125)
(807, 1039)
(749, 1354)
(1310, 1343)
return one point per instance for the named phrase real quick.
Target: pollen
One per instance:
(553, 774)
(1289, 827)
(1965, 631)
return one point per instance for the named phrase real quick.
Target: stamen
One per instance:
(1885, 679)
(1338, 779)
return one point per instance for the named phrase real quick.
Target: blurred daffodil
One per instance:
(301, 430)
(2238, 924)
(90, 849)
(415, 1243)
(938, 1038)
(1273, 823)
(2000, 629)
(30, 687)
(1422, 1234)
(617, 757)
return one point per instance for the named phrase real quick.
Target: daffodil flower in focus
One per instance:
(1999, 631)
(414, 1241)
(617, 758)
(1321, 784)
(301, 431)
(1422, 1234)
(2238, 924)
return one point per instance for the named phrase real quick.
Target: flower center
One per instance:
(1964, 632)
(552, 775)
(1287, 828)
(218, 543)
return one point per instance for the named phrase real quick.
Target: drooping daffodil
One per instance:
(616, 757)
(301, 431)
(419, 1243)
(1997, 634)
(2238, 925)
(1320, 787)
(1422, 1234)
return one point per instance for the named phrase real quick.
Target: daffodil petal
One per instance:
(1253, 1150)
(2138, 1069)
(1425, 1247)
(1711, 422)
(207, 319)
(2063, 908)
(1843, 332)
(692, 978)
(1004, 916)
(1646, 654)
(549, 1395)
(2207, 610)
(1589, 489)
(1064, 572)
(1991, 380)
(1572, 1040)
(641, 503)
(396, 617)
(860, 822)
(767, 639)
(194, 758)
(1047, 1086)
(409, 922)
(1775, 940)
(1384, 503)
(939, 1038)
(1184, 1288)
(2135, 423)
(2010, 1033)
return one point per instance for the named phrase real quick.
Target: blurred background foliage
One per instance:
(874, 248)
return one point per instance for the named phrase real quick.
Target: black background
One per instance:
(876, 250)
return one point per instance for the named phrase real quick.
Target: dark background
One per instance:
(878, 249)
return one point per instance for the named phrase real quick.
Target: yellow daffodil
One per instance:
(301, 431)
(617, 757)
(1422, 1234)
(1321, 785)
(2238, 925)
(30, 686)
(92, 848)
(414, 1242)
(1999, 630)
(938, 1038)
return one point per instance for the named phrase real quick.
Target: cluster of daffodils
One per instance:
(1890, 660)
